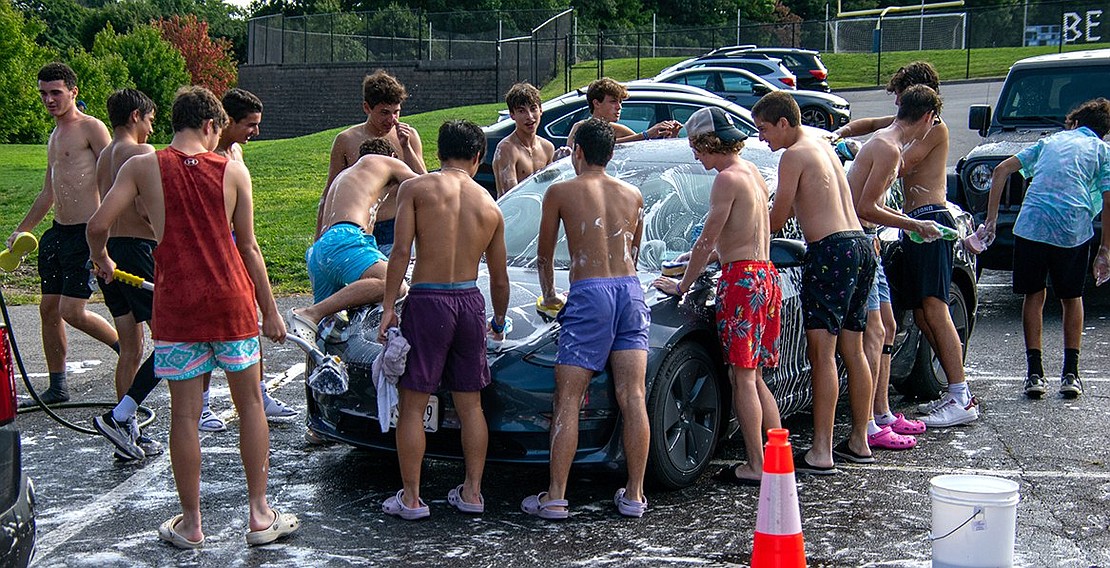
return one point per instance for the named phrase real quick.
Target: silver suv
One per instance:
(1038, 94)
(766, 66)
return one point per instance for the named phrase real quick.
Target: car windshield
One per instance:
(676, 200)
(1048, 94)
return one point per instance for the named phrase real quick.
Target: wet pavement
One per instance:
(93, 511)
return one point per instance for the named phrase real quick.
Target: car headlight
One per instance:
(979, 177)
(842, 106)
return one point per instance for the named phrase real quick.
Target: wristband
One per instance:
(678, 287)
(496, 328)
(645, 134)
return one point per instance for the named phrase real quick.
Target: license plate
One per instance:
(431, 415)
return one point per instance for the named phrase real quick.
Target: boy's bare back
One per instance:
(455, 222)
(602, 218)
(357, 190)
(72, 154)
(133, 222)
(745, 235)
(822, 198)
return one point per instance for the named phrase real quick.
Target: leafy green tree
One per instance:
(121, 16)
(156, 67)
(22, 116)
(64, 19)
(98, 77)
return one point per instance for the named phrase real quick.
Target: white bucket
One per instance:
(974, 521)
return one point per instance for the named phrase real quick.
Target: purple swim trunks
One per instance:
(445, 326)
(602, 315)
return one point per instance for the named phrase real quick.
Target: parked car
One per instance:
(766, 66)
(17, 495)
(805, 64)
(1037, 95)
(648, 103)
(687, 385)
(819, 110)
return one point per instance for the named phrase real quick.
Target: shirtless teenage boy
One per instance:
(244, 112)
(749, 299)
(382, 96)
(521, 153)
(70, 188)
(874, 169)
(454, 222)
(131, 244)
(839, 268)
(924, 177)
(605, 319)
(605, 98)
(345, 266)
(385, 213)
(205, 309)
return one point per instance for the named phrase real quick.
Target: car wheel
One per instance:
(684, 416)
(927, 379)
(817, 118)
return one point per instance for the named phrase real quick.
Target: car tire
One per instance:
(927, 379)
(817, 117)
(684, 416)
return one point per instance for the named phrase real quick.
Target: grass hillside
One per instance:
(289, 174)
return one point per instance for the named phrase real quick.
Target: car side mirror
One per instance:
(979, 118)
(760, 90)
(787, 253)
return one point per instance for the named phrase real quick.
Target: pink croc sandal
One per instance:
(886, 439)
(906, 426)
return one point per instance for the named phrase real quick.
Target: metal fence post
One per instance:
(366, 40)
(639, 38)
(331, 37)
(600, 54)
(420, 35)
(967, 42)
(566, 66)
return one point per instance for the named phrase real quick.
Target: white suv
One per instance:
(770, 68)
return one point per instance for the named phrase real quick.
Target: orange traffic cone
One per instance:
(778, 525)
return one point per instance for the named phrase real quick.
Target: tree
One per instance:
(64, 19)
(208, 60)
(22, 117)
(98, 77)
(154, 64)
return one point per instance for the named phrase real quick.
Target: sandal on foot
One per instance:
(209, 422)
(906, 426)
(844, 452)
(284, 524)
(887, 439)
(302, 327)
(454, 498)
(728, 475)
(168, 533)
(395, 506)
(535, 506)
(627, 507)
(802, 465)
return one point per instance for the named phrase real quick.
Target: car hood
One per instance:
(1010, 142)
(818, 96)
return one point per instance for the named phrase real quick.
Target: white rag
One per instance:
(387, 369)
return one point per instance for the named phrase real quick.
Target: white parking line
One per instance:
(1015, 473)
(1008, 379)
(46, 543)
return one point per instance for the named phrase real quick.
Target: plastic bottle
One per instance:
(946, 233)
(978, 241)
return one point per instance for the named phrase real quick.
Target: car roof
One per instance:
(797, 50)
(1089, 57)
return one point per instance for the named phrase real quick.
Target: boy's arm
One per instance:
(782, 208)
(638, 235)
(570, 135)
(337, 163)
(664, 129)
(412, 149)
(120, 196)
(1101, 268)
(404, 231)
(504, 174)
(1002, 172)
(38, 210)
(863, 126)
(242, 218)
(545, 247)
(498, 274)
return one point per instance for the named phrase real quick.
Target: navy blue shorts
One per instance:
(1067, 267)
(927, 267)
(63, 261)
(602, 315)
(135, 256)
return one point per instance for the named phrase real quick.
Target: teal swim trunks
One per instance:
(179, 361)
(339, 258)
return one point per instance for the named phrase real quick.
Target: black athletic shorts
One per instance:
(63, 261)
(927, 267)
(135, 256)
(1067, 267)
(836, 279)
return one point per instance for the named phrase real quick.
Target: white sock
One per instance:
(872, 428)
(265, 395)
(884, 419)
(960, 392)
(125, 409)
(205, 407)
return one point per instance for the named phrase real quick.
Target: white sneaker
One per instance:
(928, 407)
(952, 413)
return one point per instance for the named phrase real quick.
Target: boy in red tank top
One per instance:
(204, 309)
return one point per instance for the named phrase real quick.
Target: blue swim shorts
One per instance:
(179, 360)
(880, 289)
(339, 258)
(602, 315)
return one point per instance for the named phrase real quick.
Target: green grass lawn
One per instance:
(289, 174)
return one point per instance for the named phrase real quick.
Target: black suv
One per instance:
(1036, 97)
